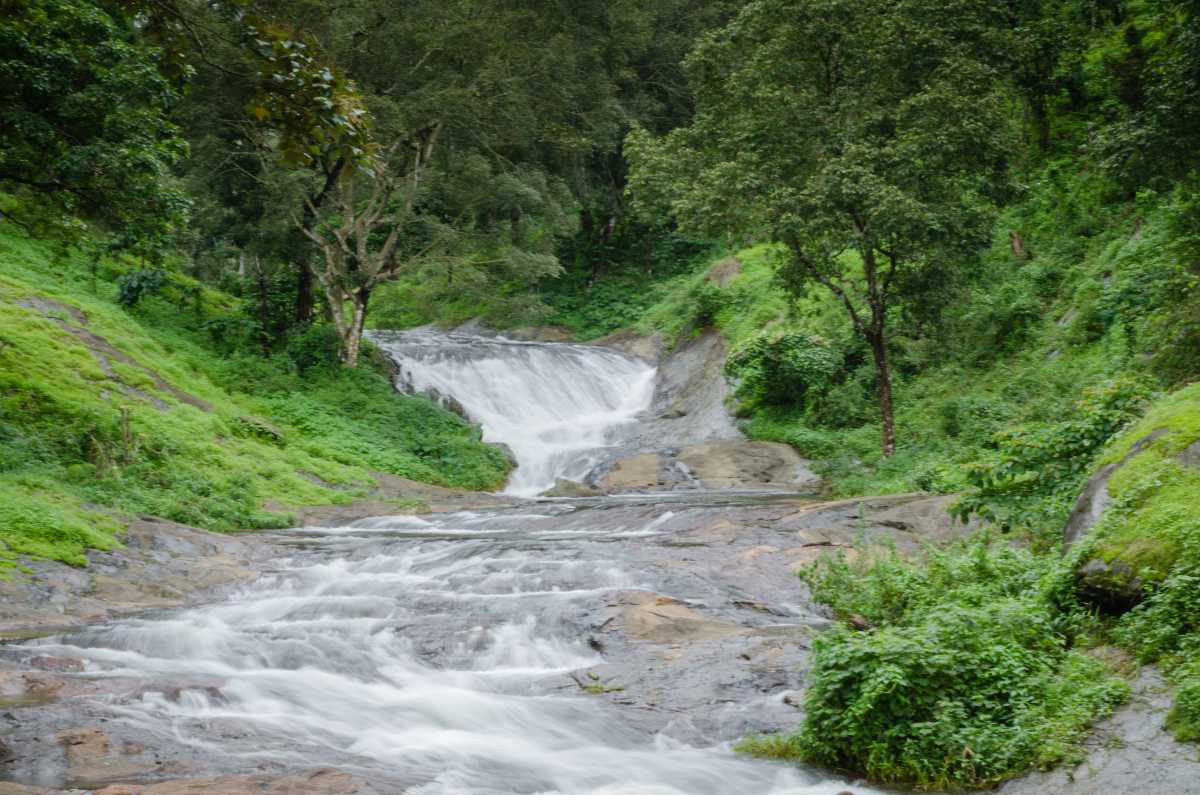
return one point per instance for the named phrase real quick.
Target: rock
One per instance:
(651, 617)
(257, 428)
(1114, 587)
(569, 488)
(92, 760)
(1094, 498)
(1190, 457)
(859, 623)
(6, 752)
(637, 473)
(320, 782)
(1127, 754)
(724, 272)
(743, 464)
(647, 347)
(539, 334)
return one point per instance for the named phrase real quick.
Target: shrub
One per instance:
(1037, 470)
(782, 368)
(964, 678)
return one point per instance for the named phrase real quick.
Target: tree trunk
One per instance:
(352, 336)
(305, 300)
(883, 379)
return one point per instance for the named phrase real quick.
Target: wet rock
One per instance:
(742, 464)
(647, 347)
(60, 664)
(163, 564)
(539, 334)
(653, 617)
(91, 759)
(637, 473)
(320, 782)
(1127, 754)
(569, 488)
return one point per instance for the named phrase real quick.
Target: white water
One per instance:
(431, 666)
(436, 655)
(554, 405)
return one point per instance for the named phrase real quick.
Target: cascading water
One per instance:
(512, 651)
(554, 405)
(429, 656)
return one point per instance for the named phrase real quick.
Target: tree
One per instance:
(83, 119)
(869, 137)
(361, 246)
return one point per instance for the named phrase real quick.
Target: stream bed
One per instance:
(610, 646)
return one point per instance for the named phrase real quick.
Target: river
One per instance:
(604, 646)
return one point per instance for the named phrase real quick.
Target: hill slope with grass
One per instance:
(107, 413)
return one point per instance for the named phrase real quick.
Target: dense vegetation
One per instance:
(952, 245)
(108, 414)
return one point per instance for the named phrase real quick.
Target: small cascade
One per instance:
(555, 406)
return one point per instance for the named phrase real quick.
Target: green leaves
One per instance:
(964, 679)
(83, 119)
(1036, 471)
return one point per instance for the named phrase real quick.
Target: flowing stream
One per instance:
(467, 653)
(555, 406)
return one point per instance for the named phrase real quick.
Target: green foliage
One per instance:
(1152, 529)
(782, 368)
(1035, 472)
(134, 285)
(84, 119)
(107, 413)
(966, 678)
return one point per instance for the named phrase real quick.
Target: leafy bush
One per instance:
(782, 368)
(964, 678)
(135, 285)
(1037, 470)
(315, 346)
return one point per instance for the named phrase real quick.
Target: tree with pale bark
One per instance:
(374, 209)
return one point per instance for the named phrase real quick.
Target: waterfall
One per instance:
(555, 406)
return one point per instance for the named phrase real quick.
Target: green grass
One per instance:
(161, 425)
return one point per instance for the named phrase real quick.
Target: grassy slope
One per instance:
(84, 443)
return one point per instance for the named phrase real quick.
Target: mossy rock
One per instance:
(1150, 490)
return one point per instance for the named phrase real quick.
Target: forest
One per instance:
(952, 248)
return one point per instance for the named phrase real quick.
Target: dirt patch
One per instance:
(724, 272)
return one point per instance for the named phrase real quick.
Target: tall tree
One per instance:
(867, 136)
(83, 118)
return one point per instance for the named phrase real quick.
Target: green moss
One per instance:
(82, 426)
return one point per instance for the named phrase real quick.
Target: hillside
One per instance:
(107, 414)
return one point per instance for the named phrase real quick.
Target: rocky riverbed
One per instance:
(668, 622)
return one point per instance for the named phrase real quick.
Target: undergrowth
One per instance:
(969, 673)
(108, 412)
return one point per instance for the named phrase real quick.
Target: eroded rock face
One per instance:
(163, 564)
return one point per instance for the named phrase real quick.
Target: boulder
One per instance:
(569, 488)
(736, 463)
(1094, 498)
